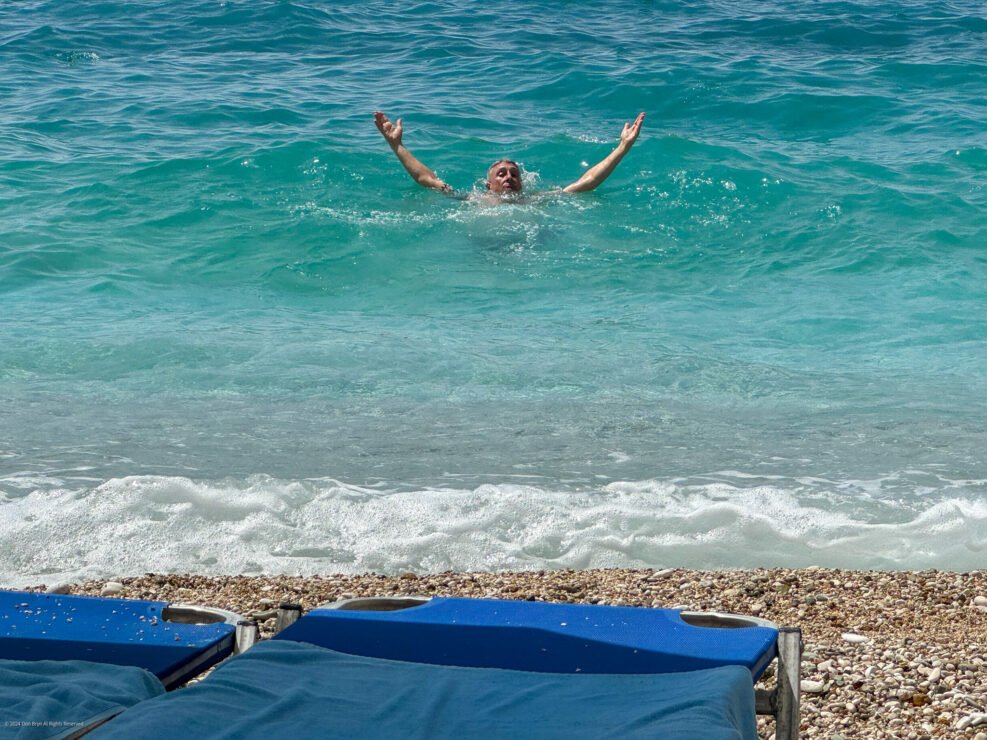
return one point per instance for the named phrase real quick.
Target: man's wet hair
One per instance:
(502, 161)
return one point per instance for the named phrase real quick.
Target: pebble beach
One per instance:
(886, 654)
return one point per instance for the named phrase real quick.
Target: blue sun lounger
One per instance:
(452, 668)
(69, 663)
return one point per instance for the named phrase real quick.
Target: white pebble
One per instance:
(972, 720)
(111, 588)
(851, 637)
(812, 687)
(59, 588)
(980, 601)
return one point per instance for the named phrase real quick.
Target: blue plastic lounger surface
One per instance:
(537, 636)
(117, 631)
(282, 688)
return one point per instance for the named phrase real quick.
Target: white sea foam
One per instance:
(134, 525)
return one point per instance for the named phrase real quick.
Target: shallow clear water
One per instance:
(236, 337)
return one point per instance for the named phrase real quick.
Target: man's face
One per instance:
(504, 177)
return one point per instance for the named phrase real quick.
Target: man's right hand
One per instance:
(419, 172)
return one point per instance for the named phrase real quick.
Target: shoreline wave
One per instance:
(265, 526)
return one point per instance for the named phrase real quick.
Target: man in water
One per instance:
(504, 175)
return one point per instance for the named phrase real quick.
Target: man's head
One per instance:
(504, 176)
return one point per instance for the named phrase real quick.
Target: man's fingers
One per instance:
(631, 130)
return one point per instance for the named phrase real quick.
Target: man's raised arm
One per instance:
(419, 172)
(600, 172)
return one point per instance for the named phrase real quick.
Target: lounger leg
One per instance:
(288, 614)
(787, 707)
(247, 633)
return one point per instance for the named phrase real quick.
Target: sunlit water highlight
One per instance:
(235, 337)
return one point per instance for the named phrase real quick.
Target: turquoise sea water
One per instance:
(235, 337)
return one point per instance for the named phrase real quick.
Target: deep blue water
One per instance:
(236, 337)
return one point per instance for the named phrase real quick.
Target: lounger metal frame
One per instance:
(783, 702)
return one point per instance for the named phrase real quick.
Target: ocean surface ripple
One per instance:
(235, 337)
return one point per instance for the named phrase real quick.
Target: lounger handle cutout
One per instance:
(187, 614)
(379, 604)
(720, 620)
